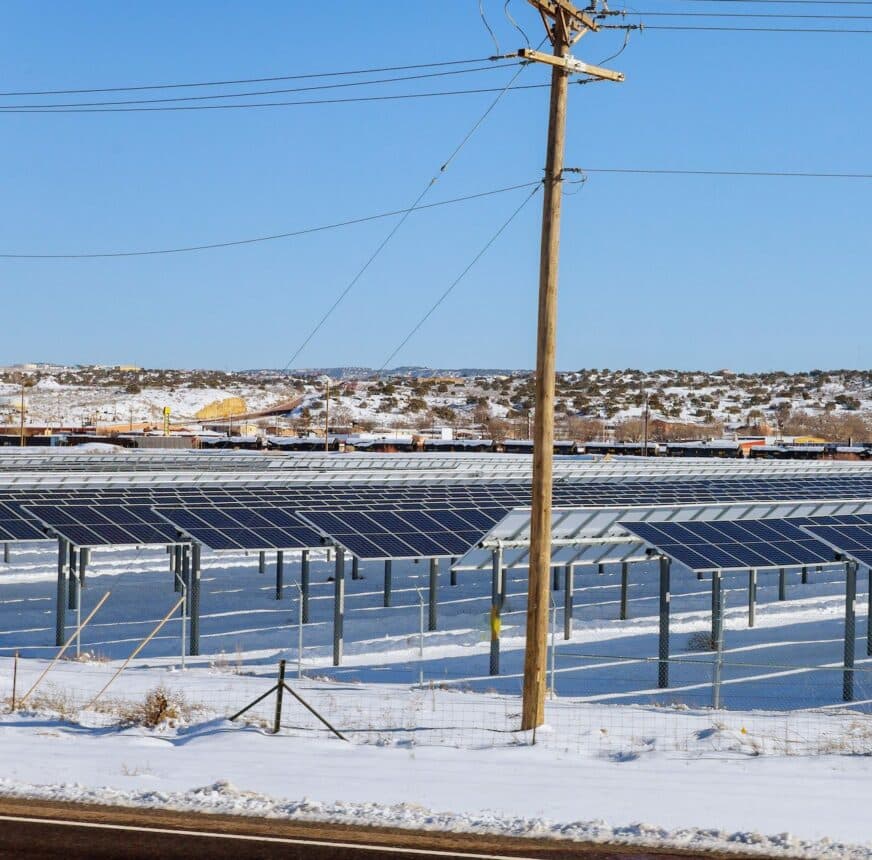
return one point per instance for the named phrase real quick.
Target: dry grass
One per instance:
(700, 641)
(161, 707)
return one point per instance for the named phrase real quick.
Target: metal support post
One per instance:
(717, 609)
(280, 574)
(61, 609)
(719, 649)
(261, 562)
(850, 630)
(600, 569)
(73, 587)
(782, 584)
(869, 615)
(6, 553)
(304, 587)
(433, 593)
(338, 605)
(388, 582)
(625, 582)
(496, 609)
(805, 576)
(555, 578)
(186, 575)
(663, 649)
(193, 585)
(504, 584)
(453, 571)
(355, 567)
(174, 570)
(84, 560)
(752, 597)
(567, 601)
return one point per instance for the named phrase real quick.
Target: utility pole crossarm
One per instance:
(570, 64)
(576, 19)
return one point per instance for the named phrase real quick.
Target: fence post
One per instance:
(663, 650)
(420, 638)
(304, 588)
(625, 582)
(280, 689)
(14, 680)
(850, 630)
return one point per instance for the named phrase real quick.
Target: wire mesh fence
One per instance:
(765, 709)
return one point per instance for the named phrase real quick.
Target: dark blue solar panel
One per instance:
(850, 535)
(403, 534)
(738, 544)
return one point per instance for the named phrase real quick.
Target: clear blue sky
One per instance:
(656, 271)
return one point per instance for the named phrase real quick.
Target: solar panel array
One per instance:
(436, 532)
(17, 523)
(230, 528)
(851, 535)
(734, 544)
(105, 525)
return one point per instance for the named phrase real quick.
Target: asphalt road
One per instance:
(37, 829)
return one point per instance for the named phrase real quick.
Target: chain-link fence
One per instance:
(764, 709)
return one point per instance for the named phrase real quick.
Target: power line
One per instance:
(704, 28)
(784, 174)
(790, 2)
(300, 103)
(460, 277)
(215, 96)
(233, 82)
(745, 15)
(270, 238)
(393, 231)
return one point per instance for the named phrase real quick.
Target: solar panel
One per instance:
(377, 534)
(735, 544)
(241, 528)
(110, 525)
(850, 535)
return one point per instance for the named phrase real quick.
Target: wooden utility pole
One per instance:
(565, 24)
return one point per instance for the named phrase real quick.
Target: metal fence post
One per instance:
(850, 630)
(338, 605)
(663, 649)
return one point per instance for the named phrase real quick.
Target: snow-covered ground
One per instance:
(783, 768)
